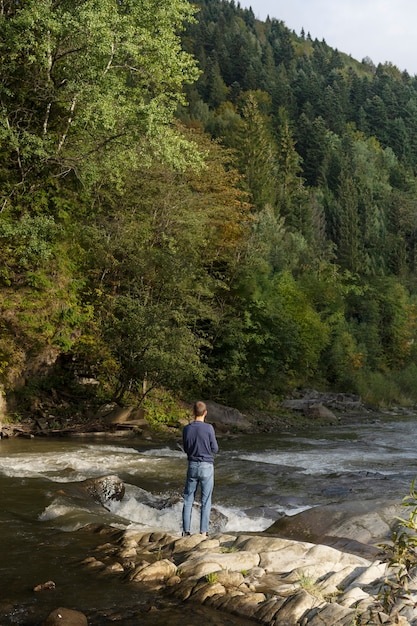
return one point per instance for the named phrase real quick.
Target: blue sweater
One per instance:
(199, 441)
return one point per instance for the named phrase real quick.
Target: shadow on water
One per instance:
(41, 555)
(34, 552)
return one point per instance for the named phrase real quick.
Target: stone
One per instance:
(376, 572)
(154, 572)
(65, 617)
(207, 591)
(114, 568)
(244, 605)
(42, 586)
(335, 581)
(235, 561)
(352, 597)
(330, 615)
(320, 412)
(348, 520)
(219, 414)
(266, 611)
(104, 488)
(316, 559)
(294, 608)
(274, 581)
(118, 415)
(229, 578)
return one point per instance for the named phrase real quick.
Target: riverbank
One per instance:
(242, 481)
(268, 580)
(307, 410)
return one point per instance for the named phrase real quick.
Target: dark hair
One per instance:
(199, 408)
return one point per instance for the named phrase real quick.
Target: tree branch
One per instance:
(65, 133)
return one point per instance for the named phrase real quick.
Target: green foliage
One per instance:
(283, 253)
(401, 556)
(211, 578)
(89, 89)
(27, 242)
(162, 407)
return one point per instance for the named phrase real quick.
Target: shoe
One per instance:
(185, 534)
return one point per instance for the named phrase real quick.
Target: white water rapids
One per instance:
(258, 479)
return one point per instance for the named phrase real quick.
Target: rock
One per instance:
(268, 579)
(202, 564)
(353, 521)
(226, 416)
(330, 615)
(105, 488)
(101, 489)
(65, 617)
(306, 398)
(105, 410)
(159, 571)
(320, 412)
(294, 608)
(118, 415)
(228, 578)
(208, 590)
(48, 585)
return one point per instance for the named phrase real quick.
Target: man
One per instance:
(199, 442)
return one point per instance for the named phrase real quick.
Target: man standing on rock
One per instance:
(199, 442)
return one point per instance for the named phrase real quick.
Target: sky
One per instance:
(383, 30)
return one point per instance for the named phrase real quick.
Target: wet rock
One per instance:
(65, 617)
(103, 488)
(42, 586)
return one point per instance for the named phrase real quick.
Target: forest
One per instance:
(194, 202)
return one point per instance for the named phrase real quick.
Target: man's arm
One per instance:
(213, 441)
(184, 441)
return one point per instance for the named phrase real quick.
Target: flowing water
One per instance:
(257, 480)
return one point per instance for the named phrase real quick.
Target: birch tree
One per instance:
(89, 87)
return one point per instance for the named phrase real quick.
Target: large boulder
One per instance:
(105, 488)
(318, 411)
(225, 417)
(357, 526)
(101, 489)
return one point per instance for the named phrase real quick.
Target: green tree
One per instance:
(89, 88)
(160, 256)
(285, 336)
(292, 198)
(256, 152)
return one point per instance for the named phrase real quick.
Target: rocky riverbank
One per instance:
(268, 580)
(341, 577)
(318, 570)
(306, 409)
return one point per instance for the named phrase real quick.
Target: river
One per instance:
(258, 479)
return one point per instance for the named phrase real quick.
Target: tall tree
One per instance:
(257, 152)
(292, 198)
(88, 87)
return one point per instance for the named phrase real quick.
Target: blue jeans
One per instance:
(198, 473)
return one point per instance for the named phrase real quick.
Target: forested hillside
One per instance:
(198, 202)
